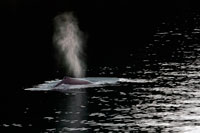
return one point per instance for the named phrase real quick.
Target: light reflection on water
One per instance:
(170, 103)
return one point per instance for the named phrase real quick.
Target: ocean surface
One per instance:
(160, 94)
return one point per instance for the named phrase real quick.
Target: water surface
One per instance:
(162, 96)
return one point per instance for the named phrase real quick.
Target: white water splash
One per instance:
(96, 82)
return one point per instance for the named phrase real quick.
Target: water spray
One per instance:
(69, 40)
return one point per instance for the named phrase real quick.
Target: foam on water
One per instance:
(96, 82)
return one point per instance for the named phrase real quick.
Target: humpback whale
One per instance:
(72, 81)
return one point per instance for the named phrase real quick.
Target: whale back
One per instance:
(73, 81)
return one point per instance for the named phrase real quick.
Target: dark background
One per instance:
(115, 28)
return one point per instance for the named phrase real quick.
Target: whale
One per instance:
(72, 81)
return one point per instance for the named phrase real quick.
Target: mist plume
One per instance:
(69, 40)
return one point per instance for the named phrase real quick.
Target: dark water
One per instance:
(170, 102)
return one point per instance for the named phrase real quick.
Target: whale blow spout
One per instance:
(69, 40)
(73, 81)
